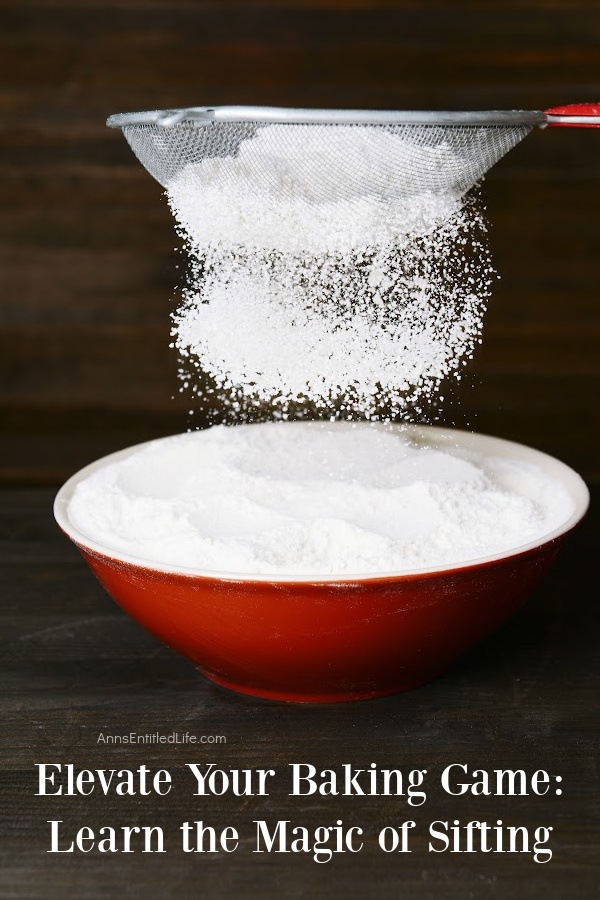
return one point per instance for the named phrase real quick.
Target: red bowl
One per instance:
(329, 639)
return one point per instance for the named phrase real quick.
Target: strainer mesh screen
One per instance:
(412, 158)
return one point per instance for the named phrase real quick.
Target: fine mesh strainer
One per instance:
(418, 151)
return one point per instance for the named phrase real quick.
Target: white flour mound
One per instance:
(314, 499)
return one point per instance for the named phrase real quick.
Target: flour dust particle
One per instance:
(354, 291)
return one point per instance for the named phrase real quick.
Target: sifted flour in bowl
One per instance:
(315, 499)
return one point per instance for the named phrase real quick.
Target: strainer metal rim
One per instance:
(205, 115)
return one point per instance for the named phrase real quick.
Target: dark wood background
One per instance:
(88, 273)
(87, 261)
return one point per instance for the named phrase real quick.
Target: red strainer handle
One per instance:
(578, 115)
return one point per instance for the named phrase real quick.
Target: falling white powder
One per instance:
(318, 273)
(315, 499)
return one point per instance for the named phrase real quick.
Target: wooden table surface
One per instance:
(74, 666)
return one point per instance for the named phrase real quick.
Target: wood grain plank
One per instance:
(45, 446)
(272, 6)
(133, 364)
(292, 24)
(72, 287)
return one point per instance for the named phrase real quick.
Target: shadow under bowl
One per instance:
(330, 639)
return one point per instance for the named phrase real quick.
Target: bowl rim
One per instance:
(568, 477)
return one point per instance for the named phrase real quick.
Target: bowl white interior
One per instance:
(480, 443)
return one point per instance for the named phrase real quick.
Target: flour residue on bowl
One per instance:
(315, 499)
